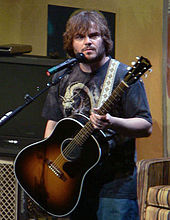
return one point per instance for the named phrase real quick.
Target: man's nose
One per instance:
(87, 40)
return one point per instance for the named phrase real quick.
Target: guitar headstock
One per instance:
(137, 70)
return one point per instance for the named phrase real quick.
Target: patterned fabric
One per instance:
(159, 196)
(153, 172)
(108, 82)
(154, 213)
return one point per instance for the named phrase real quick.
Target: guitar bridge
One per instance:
(53, 167)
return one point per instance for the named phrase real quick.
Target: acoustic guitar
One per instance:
(52, 171)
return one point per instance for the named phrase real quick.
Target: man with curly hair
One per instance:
(109, 189)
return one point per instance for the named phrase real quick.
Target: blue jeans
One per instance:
(117, 209)
(106, 209)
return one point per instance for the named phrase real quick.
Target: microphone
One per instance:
(80, 58)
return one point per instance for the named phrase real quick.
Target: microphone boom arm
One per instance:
(29, 99)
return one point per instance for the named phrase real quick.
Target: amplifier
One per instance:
(8, 191)
(14, 203)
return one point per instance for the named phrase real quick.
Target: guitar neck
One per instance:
(113, 99)
(134, 73)
(88, 129)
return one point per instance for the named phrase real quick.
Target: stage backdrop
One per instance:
(139, 30)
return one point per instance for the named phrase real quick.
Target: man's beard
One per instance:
(99, 56)
(96, 59)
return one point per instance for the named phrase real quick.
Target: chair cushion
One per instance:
(155, 213)
(159, 196)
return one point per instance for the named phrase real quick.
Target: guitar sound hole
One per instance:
(70, 151)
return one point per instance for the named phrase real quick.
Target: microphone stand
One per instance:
(29, 99)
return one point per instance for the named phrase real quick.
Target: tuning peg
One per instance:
(150, 70)
(129, 68)
(138, 58)
(133, 63)
(145, 75)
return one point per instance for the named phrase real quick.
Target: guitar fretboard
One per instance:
(88, 129)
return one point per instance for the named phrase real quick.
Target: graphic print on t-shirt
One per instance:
(78, 98)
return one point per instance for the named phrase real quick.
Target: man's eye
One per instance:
(79, 37)
(94, 36)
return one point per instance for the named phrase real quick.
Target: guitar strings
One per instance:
(116, 94)
(72, 145)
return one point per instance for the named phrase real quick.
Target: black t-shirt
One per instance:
(79, 92)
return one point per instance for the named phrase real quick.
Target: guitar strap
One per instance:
(108, 82)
